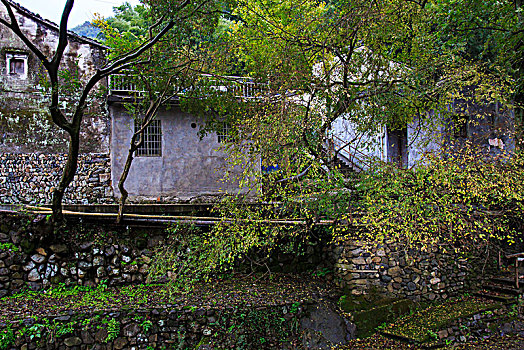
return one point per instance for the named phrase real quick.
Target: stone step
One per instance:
(510, 281)
(502, 289)
(492, 295)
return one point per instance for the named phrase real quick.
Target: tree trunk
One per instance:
(123, 192)
(67, 176)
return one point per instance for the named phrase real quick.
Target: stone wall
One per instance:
(436, 273)
(88, 255)
(30, 178)
(156, 328)
(92, 253)
(500, 321)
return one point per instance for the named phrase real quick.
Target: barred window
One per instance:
(152, 145)
(224, 133)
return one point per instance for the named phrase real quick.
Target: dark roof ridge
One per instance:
(54, 26)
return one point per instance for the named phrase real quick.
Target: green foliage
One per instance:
(62, 329)
(9, 247)
(181, 257)
(146, 325)
(130, 21)
(113, 329)
(423, 325)
(7, 337)
(459, 198)
(252, 329)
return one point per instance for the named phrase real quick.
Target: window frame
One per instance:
(152, 139)
(10, 57)
(224, 135)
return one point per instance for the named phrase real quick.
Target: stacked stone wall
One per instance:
(88, 255)
(94, 253)
(501, 321)
(31, 178)
(390, 268)
(166, 327)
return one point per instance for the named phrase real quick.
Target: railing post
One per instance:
(517, 271)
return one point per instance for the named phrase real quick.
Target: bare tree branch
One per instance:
(62, 35)
(16, 29)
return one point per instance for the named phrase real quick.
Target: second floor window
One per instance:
(16, 65)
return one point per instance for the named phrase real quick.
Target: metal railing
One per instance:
(518, 257)
(350, 153)
(121, 83)
(241, 87)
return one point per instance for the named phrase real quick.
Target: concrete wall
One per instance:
(371, 147)
(423, 137)
(25, 124)
(489, 126)
(189, 166)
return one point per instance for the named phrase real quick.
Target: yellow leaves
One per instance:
(447, 200)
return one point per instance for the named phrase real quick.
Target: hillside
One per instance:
(86, 29)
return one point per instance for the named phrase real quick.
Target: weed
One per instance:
(7, 337)
(146, 325)
(432, 335)
(113, 329)
(294, 307)
(62, 329)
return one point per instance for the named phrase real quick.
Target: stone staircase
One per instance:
(346, 158)
(508, 285)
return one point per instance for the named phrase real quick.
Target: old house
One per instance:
(487, 125)
(174, 164)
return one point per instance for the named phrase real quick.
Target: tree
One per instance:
(490, 35)
(166, 16)
(373, 64)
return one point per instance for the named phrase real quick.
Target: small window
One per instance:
(152, 144)
(224, 133)
(16, 65)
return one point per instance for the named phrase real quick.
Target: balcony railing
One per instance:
(121, 84)
(241, 87)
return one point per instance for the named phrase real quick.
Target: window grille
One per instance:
(152, 136)
(224, 133)
(460, 126)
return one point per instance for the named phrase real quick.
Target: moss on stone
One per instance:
(372, 310)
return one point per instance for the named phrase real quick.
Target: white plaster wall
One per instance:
(189, 167)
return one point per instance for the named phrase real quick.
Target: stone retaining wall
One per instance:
(498, 322)
(30, 178)
(436, 273)
(157, 328)
(91, 253)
